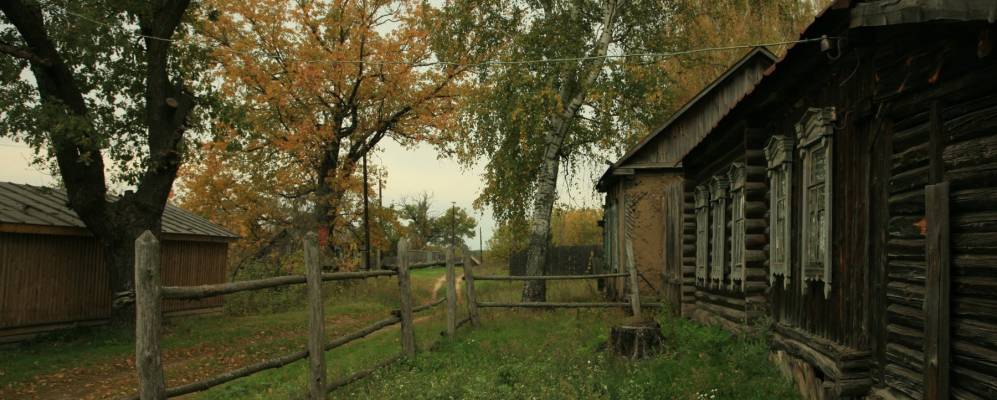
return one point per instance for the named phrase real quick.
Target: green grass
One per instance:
(515, 354)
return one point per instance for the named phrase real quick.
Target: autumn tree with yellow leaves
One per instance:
(313, 87)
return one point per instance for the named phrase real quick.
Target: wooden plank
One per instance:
(937, 318)
(547, 277)
(405, 291)
(634, 283)
(451, 294)
(148, 318)
(936, 144)
(472, 300)
(200, 292)
(316, 318)
(553, 305)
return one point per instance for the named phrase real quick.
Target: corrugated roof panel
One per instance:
(34, 205)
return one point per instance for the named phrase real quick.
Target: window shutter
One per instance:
(737, 178)
(718, 207)
(702, 233)
(779, 155)
(815, 133)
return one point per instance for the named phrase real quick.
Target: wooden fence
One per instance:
(149, 296)
(634, 304)
(563, 260)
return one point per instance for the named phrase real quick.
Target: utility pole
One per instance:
(453, 223)
(481, 238)
(366, 217)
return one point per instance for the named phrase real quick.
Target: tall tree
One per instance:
(420, 223)
(528, 119)
(571, 105)
(105, 89)
(315, 85)
(451, 227)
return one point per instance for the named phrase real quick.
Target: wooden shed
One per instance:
(644, 189)
(52, 274)
(849, 203)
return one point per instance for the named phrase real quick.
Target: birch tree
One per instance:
(529, 120)
(537, 121)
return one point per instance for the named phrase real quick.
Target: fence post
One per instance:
(451, 294)
(634, 283)
(148, 318)
(472, 301)
(405, 289)
(316, 318)
(377, 259)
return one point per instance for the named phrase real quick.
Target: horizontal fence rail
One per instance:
(564, 305)
(200, 292)
(420, 265)
(546, 277)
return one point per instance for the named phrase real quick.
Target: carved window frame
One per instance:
(718, 228)
(815, 134)
(702, 233)
(779, 155)
(736, 177)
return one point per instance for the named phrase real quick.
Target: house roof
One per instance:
(43, 206)
(893, 12)
(702, 103)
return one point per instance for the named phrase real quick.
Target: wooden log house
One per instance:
(644, 189)
(849, 203)
(52, 273)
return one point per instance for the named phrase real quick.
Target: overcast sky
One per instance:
(411, 171)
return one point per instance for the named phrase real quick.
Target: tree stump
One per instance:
(636, 340)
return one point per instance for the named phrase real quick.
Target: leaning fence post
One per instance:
(148, 318)
(451, 294)
(472, 301)
(634, 284)
(405, 289)
(316, 318)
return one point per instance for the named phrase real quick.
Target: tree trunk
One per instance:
(546, 190)
(536, 254)
(115, 224)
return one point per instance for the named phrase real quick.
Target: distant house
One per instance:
(848, 202)
(52, 274)
(644, 189)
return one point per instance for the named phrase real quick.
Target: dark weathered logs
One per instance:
(636, 341)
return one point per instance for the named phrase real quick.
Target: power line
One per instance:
(658, 55)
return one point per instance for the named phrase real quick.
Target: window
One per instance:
(702, 233)
(779, 154)
(718, 209)
(815, 133)
(736, 177)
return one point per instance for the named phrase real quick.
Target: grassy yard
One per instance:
(514, 355)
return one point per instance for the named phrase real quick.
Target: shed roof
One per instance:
(699, 115)
(44, 206)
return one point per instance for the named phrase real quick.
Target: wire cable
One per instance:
(542, 61)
